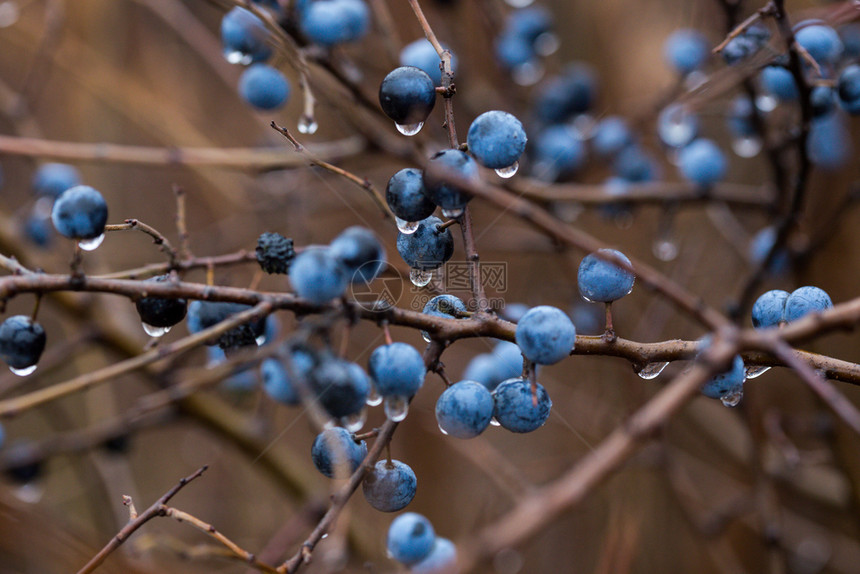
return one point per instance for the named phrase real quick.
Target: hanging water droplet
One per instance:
(91, 244)
(9, 13)
(747, 146)
(409, 129)
(307, 125)
(453, 213)
(420, 277)
(426, 336)
(324, 536)
(665, 249)
(354, 422)
(238, 57)
(755, 371)
(519, 3)
(443, 431)
(396, 408)
(651, 370)
(25, 371)
(373, 397)
(31, 493)
(509, 171)
(766, 103)
(154, 331)
(495, 422)
(406, 227)
(527, 74)
(733, 397)
(546, 44)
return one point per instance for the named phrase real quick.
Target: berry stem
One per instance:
(36, 306)
(609, 332)
(387, 332)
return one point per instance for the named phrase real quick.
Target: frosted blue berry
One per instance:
(52, 179)
(341, 387)
(464, 409)
(22, 341)
(442, 558)
(410, 538)
(360, 252)
(821, 41)
(318, 276)
(779, 82)
(330, 22)
(244, 37)
(496, 139)
(421, 54)
(545, 335)
(515, 408)
(429, 247)
(407, 95)
(601, 280)
(397, 369)
(336, 452)
(769, 309)
(277, 383)
(389, 486)
(455, 163)
(406, 197)
(702, 162)
(686, 50)
(80, 212)
(829, 144)
(806, 300)
(264, 87)
(727, 382)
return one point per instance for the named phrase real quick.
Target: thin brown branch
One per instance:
(184, 250)
(157, 237)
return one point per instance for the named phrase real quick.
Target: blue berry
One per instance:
(204, 314)
(747, 43)
(330, 22)
(561, 97)
(159, 311)
(277, 383)
(452, 162)
(496, 139)
(726, 382)
(389, 486)
(442, 558)
(407, 95)
(806, 300)
(822, 99)
(740, 117)
(761, 244)
(510, 359)
(545, 335)
(22, 341)
(360, 252)
(515, 409)
(610, 136)
(513, 51)
(80, 212)
(38, 228)
(428, 248)
(769, 309)
(244, 37)
(848, 88)
(779, 82)
(336, 452)
(635, 165)
(484, 369)
(318, 275)
(702, 162)
(850, 35)
(421, 54)
(397, 370)
(52, 179)
(464, 410)
(686, 50)
(406, 197)
(342, 387)
(601, 280)
(829, 143)
(557, 152)
(410, 538)
(677, 125)
(821, 41)
(445, 306)
(264, 87)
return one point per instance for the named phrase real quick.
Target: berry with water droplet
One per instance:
(244, 37)
(602, 280)
(360, 252)
(545, 335)
(428, 247)
(341, 386)
(407, 95)
(515, 407)
(161, 311)
(496, 139)
(397, 369)
(80, 212)
(454, 163)
(464, 409)
(406, 198)
(22, 341)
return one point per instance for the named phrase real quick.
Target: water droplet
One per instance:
(420, 277)
(154, 331)
(91, 244)
(409, 129)
(443, 431)
(453, 213)
(651, 370)
(509, 171)
(238, 57)
(546, 44)
(324, 536)
(426, 336)
(527, 74)
(9, 13)
(307, 125)
(396, 408)
(354, 422)
(665, 249)
(31, 493)
(373, 398)
(495, 422)
(755, 371)
(733, 397)
(766, 103)
(747, 146)
(676, 126)
(406, 227)
(519, 3)
(25, 371)
(261, 340)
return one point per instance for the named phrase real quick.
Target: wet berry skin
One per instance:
(22, 341)
(405, 195)
(496, 139)
(80, 212)
(545, 335)
(389, 486)
(726, 382)
(604, 281)
(515, 409)
(428, 248)
(464, 409)
(407, 95)
(161, 311)
(397, 369)
(335, 452)
(410, 538)
(456, 163)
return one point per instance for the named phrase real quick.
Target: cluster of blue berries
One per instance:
(412, 541)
